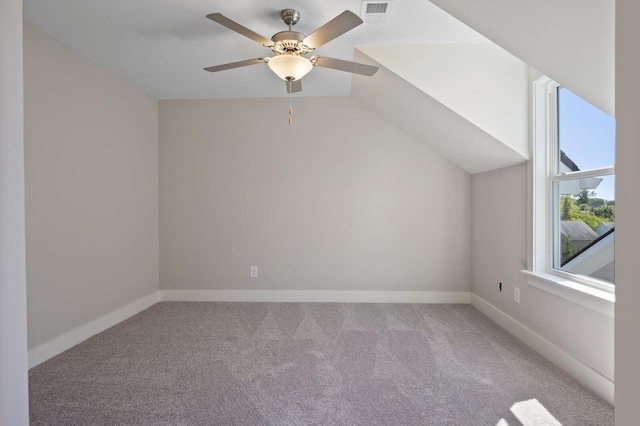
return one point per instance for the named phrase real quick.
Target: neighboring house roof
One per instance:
(577, 230)
(595, 256)
(564, 159)
(574, 186)
(605, 227)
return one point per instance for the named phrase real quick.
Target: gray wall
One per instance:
(339, 200)
(499, 241)
(627, 208)
(91, 162)
(14, 404)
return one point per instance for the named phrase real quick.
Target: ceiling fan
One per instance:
(290, 48)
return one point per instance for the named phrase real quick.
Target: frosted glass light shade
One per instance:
(290, 66)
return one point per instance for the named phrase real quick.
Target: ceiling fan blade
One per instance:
(348, 66)
(339, 25)
(234, 26)
(238, 64)
(294, 86)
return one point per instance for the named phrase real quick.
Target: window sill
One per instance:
(592, 298)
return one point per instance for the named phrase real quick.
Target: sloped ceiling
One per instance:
(482, 83)
(441, 81)
(431, 122)
(571, 41)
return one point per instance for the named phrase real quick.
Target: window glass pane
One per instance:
(586, 135)
(584, 237)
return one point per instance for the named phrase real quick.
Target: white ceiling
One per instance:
(438, 122)
(571, 41)
(161, 46)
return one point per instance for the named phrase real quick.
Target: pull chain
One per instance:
(290, 107)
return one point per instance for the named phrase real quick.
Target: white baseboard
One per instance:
(315, 296)
(601, 385)
(65, 341)
(59, 344)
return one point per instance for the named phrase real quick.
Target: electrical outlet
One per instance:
(253, 272)
(516, 294)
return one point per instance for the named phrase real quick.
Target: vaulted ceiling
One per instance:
(461, 92)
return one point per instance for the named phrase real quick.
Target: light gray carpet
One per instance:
(304, 363)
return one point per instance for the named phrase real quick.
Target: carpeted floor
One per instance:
(307, 363)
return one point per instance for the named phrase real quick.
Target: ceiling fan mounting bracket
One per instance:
(290, 17)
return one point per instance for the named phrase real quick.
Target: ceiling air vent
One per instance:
(375, 12)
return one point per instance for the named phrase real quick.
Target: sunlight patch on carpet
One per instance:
(531, 412)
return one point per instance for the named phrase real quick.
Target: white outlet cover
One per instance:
(253, 272)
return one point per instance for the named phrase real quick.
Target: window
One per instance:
(573, 187)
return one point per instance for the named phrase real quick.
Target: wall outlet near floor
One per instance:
(516, 294)
(253, 272)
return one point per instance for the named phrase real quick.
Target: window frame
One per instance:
(591, 292)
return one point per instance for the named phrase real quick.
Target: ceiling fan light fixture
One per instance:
(290, 47)
(290, 67)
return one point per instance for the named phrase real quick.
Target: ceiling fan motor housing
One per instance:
(289, 42)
